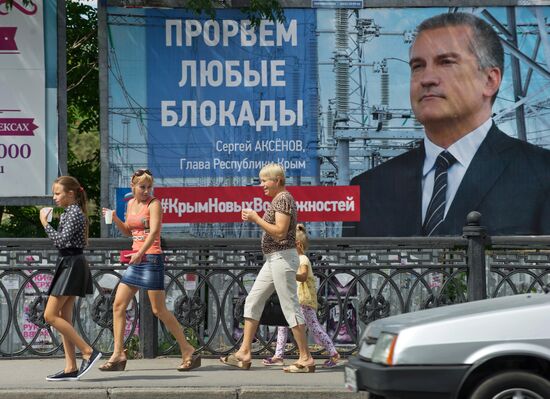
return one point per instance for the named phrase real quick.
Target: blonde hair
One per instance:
(141, 176)
(301, 236)
(69, 183)
(274, 171)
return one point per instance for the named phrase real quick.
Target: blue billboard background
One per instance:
(186, 149)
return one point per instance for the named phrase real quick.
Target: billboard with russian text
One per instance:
(229, 97)
(224, 204)
(327, 93)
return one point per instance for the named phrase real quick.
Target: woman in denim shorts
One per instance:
(145, 270)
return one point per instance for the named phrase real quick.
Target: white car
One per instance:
(490, 349)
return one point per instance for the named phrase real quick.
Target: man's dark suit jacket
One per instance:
(508, 182)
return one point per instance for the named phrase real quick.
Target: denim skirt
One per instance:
(148, 274)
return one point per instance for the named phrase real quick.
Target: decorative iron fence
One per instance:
(359, 280)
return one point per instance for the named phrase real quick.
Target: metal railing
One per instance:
(359, 280)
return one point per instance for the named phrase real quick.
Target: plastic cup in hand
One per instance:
(245, 212)
(48, 210)
(109, 216)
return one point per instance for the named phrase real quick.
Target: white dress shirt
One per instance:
(463, 150)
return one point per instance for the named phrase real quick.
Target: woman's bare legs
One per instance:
(250, 326)
(68, 346)
(58, 314)
(158, 304)
(245, 351)
(124, 295)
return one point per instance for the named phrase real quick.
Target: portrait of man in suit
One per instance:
(465, 163)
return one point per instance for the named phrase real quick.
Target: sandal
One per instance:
(273, 361)
(114, 366)
(231, 360)
(190, 364)
(299, 368)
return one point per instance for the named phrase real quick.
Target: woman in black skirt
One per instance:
(72, 276)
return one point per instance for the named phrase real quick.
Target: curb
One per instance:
(188, 393)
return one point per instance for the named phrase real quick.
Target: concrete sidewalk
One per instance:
(158, 379)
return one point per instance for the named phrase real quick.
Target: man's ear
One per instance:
(493, 81)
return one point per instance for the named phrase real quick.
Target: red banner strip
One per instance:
(17, 127)
(224, 204)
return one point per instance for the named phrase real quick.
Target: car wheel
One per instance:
(513, 385)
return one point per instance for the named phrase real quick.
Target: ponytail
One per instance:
(69, 183)
(301, 236)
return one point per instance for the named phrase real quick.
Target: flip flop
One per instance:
(190, 364)
(268, 361)
(299, 368)
(231, 360)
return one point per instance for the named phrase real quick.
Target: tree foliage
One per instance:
(82, 67)
(255, 11)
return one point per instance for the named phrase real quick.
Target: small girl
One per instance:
(307, 295)
(72, 276)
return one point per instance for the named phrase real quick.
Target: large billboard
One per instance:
(226, 96)
(204, 103)
(28, 101)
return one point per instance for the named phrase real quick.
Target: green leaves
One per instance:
(255, 11)
(82, 68)
(264, 9)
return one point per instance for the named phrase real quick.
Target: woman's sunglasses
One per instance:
(141, 172)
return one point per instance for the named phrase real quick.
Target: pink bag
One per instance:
(126, 255)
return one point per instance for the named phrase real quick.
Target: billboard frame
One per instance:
(308, 3)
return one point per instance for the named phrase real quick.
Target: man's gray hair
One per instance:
(485, 43)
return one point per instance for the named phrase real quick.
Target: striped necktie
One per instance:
(436, 209)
